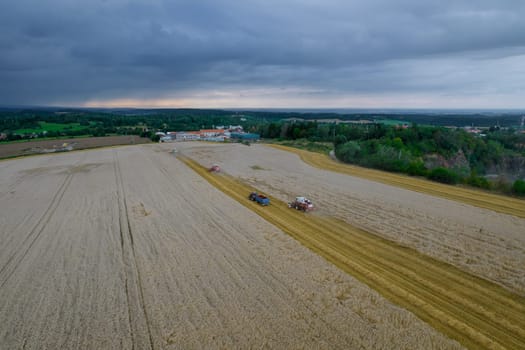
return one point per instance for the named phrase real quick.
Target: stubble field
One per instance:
(129, 248)
(24, 148)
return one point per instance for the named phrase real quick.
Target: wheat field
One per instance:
(498, 203)
(477, 313)
(128, 248)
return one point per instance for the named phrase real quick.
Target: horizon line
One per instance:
(312, 109)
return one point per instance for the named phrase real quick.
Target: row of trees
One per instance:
(96, 123)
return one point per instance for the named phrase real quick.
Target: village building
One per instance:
(188, 135)
(219, 134)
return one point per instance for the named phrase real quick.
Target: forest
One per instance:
(25, 124)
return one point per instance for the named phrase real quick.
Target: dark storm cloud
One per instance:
(63, 51)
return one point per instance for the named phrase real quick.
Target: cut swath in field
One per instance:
(471, 310)
(498, 203)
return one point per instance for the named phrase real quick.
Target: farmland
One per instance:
(130, 247)
(468, 309)
(23, 148)
(486, 243)
(46, 127)
(477, 198)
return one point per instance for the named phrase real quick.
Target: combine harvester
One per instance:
(215, 169)
(259, 198)
(301, 203)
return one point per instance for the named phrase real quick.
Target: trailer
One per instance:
(259, 198)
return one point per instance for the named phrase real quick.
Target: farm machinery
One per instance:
(214, 169)
(259, 198)
(301, 203)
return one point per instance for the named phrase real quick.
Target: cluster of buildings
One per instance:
(219, 134)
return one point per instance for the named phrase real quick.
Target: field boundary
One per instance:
(480, 199)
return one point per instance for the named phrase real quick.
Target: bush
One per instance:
(477, 181)
(417, 168)
(518, 187)
(443, 175)
(153, 137)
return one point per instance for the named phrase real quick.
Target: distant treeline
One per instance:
(101, 123)
(504, 119)
(495, 160)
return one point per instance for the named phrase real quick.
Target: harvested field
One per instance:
(128, 248)
(485, 243)
(476, 313)
(15, 149)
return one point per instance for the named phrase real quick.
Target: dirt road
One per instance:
(128, 248)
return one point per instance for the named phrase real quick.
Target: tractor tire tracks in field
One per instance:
(477, 313)
(140, 329)
(14, 261)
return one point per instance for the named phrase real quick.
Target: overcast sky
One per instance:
(267, 53)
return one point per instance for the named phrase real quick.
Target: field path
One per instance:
(477, 313)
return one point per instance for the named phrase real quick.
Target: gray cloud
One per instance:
(70, 52)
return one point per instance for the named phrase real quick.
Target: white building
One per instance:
(188, 135)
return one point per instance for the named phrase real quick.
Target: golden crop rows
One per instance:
(481, 199)
(477, 313)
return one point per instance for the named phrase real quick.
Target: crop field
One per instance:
(44, 126)
(23, 148)
(499, 203)
(129, 248)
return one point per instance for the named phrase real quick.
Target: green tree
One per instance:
(417, 168)
(339, 140)
(397, 143)
(348, 152)
(519, 187)
(443, 175)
